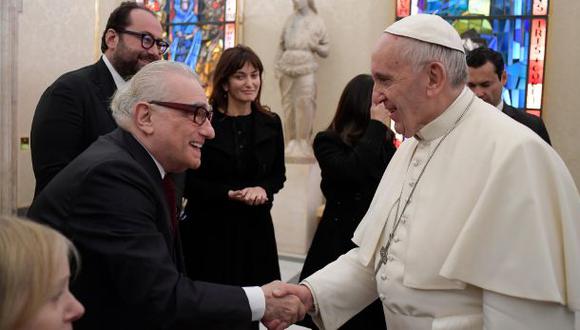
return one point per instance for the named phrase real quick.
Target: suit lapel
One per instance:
(142, 157)
(103, 79)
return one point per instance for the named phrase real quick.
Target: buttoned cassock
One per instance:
(490, 237)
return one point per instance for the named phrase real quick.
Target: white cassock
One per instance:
(489, 240)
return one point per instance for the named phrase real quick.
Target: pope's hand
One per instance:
(282, 307)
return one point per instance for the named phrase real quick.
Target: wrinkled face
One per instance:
(398, 86)
(127, 54)
(61, 307)
(485, 83)
(177, 140)
(243, 86)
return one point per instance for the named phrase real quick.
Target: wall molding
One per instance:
(9, 10)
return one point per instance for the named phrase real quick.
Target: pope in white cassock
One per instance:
(476, 222)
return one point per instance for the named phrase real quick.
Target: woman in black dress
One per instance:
(353, 152)
(228, 234)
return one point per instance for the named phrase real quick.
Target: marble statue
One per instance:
(303, 39)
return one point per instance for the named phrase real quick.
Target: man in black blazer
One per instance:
(487, 78)
(74, 111)
(110, 202)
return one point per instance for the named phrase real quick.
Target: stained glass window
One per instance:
(198, 31)
(515, 28)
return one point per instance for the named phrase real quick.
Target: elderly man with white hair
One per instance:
(114, 203)
(476, 222)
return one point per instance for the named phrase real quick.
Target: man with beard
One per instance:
(74, 111)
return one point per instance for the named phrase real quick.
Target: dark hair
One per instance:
(232, 60)
(353, 111)
(479, 56)
(119, 19)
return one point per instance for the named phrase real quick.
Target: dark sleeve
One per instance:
(369, 157)
(274, 181)
(56, 136)
(541, 130)
(115, 220)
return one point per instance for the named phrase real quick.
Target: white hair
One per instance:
(419, 53)
(149, 84)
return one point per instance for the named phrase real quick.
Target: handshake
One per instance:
(285, 304)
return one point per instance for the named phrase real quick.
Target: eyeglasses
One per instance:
(147, 40)
(200, 112)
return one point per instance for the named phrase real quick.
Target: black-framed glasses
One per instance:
(200, 112)
(147, 40)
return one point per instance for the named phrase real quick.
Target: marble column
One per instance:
(9, 10)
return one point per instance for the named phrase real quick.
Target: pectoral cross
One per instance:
(384, 252)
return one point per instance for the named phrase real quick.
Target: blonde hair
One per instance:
(29, 256)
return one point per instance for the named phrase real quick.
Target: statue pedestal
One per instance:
(294, 210)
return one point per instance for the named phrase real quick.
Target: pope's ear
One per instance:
(143, 118)
(437, 78)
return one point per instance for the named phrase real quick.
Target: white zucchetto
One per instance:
(427, 28)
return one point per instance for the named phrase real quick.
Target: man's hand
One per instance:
(300, 291)
(282, 307)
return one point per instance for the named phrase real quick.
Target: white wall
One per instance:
(54, 37)
(561, 96)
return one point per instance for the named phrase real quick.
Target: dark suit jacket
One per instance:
(535, 123)
(71, 114)
(109, 201)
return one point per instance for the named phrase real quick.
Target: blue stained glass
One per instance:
(186, 38)
(492, 43)
(498, 8)
(529, 7)
(512, 79)
(518, 7)
(515, 98)
(196, 32)
(506, 97)
(443, 7)
(511, 7)
(504, 30)
(433, 6)
(516, 51)
(522, 83)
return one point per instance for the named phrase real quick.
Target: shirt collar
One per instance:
(119, 81)
(162, 171)
(159, 167)
(440, 125)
